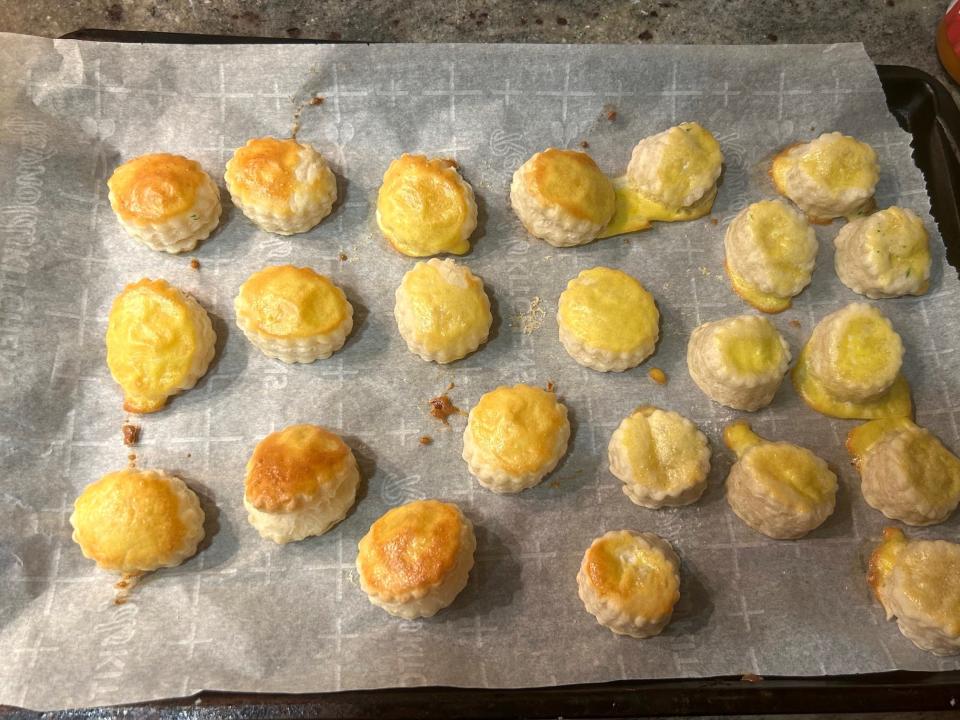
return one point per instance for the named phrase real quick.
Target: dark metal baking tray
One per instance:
(924, 108)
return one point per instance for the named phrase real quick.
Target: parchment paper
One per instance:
(245, 614)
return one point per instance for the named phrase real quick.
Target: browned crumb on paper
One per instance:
(342, 257)
(317, 100)
(584, 144)
(714, 221)
(531, 320)
(555, 484)
(794, 323)
(426, 440)
(132, 459)
(442, 408)
(550, 386)
(124, 586)
(657, 375)
(751, 678)
(131, 433)
(610, 112)
(194, 264)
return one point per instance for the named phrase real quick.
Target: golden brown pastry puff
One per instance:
(561, 196)
(135, 521)
(301, 481)
(416, 558)
(282, 186)
(781, 490)
(918, 583)
(293, 314)
(515, 437)
(167, 202)
(159, 342)
(905, 471)
(630, 582)
(425, 207)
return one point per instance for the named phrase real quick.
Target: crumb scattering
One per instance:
(124, 586)
(550, 386)
(657, 375)
(343, 257)
(584, 144)
(442, 408)
(531, 320)
(793, 323)
(714, 221)
(426, 440)
(194, 264)
(610, 112)
(131, 433)
(317, 100)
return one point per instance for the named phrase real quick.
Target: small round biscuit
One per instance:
(300, 481)
(781, 490)
(918, 583)
(167, 202)
(885, 255)
(416, 558)
(676, 167)
(159, 343)
(832, 176)
(770, 253)
(630, 582)
(442, 311)
(607, 319)
(515, 437)
(282, 186)
(135, 521)
(424, 207)
(661, 457)
(293, 314)
(739, 361)
(561, 196)
(905, 471)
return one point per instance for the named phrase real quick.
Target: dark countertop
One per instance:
(894, 31)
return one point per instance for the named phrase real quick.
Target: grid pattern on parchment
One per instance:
(247, 615)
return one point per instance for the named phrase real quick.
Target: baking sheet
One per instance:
(247, 615)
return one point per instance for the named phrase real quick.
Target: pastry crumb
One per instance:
(751, 678)
(714, 221)
(342, 257)
(124, 586)
(555, 484)
(131, 433)
(584, 144)
(657, 375)
(551, 386)
(793, 323)
(426, 440)
(531, 320)
(194, 264)
(189, 454)
(442, 408)
(610, 112)
(317, 100)
(132, 460)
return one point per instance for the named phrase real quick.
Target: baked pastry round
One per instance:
(918, 583)
(442, 311)
(884, 255)
(850, 366)
(630, 582)
(770, 253)
(561, 196)
(416, 558)
(608, 321)
(832, 176)
(781, 490)
(678, 167)
(425, 207)
(135, 521)
(167, 202)
(739, 361)
(515, 437)
(661, 457)
(905, 471)
(300, 481)
(159, 342)
(293, 314)
(282, 186)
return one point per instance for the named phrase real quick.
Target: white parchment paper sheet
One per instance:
(245, 614)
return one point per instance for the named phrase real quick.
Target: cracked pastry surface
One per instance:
(515, 437)
(918, 583)
(300, 481)
(850, 366)
(293, 314)
(661, 457)
(630, 582)
(159, 343)
(780, 490)
(607, 319)
(561, 196)
(425, 207)
(885, 255)
(442, 311)
(770, 252)
(738, 361)
(832, 176)
(905, 471)
(167, 202)
(416, 558)
(135, 521)
(282, 186)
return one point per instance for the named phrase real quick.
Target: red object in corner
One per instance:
(948, 40)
